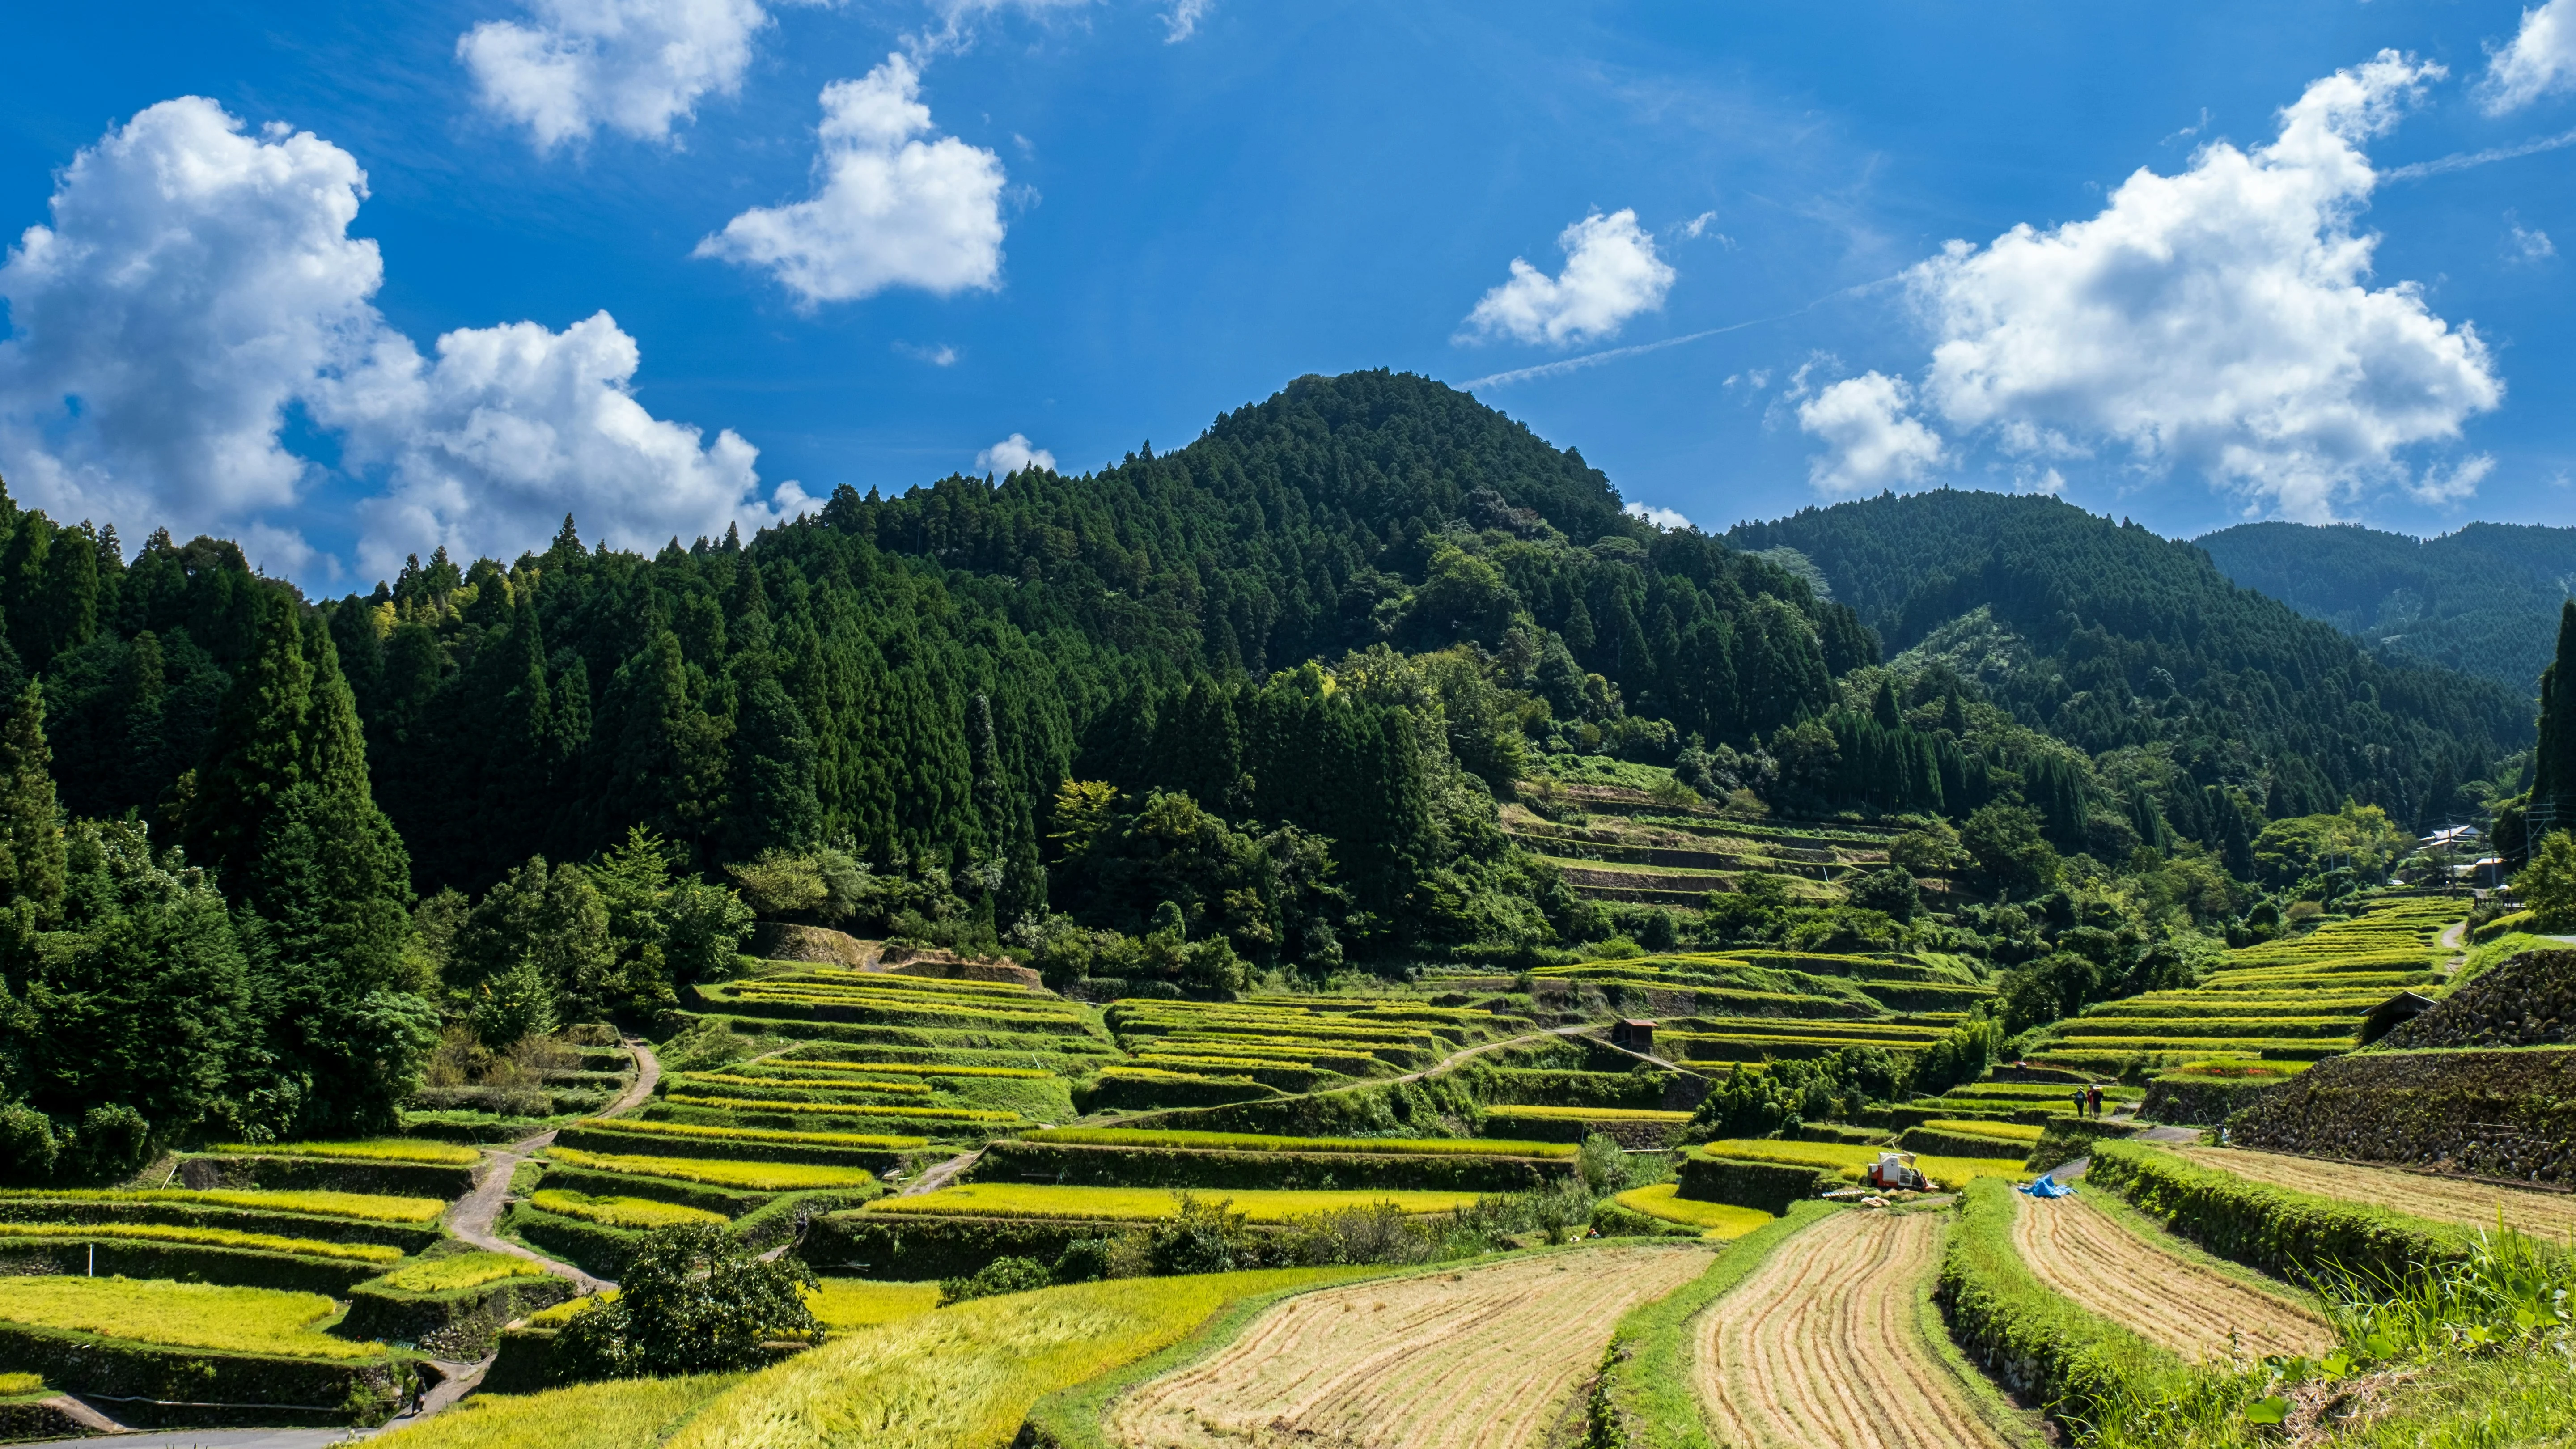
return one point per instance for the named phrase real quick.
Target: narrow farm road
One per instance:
(934, 1178)
(1824, 1345)
(478, 1212)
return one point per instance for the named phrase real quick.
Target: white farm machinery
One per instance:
(1896, 1172)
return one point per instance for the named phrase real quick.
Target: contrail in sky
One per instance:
(2466, 159)
(1594, 359)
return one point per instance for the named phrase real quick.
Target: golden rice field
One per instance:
(206, 1237)
(1142, 1204)
(1851, 1160)
(1585, 1114)
(458, 1270)
(183, 1315)
(619, 1414)
(371, 1207)
(965, 1377)
(845, 1304)
(374, 1149)
(841, 1109)
(703, 1132)
(1478, 1358)
(920, 1069)
(717, 1172)
(1721, 1220)
(1983, 1127)
(17, 1385)
(1249, 1142)
(620, 1212)
(837, 1084)
(562, 1313)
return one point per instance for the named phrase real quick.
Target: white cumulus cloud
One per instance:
(890, 209)
(1659, 517)
(1611, 274)
(1871, 438)
(1014, 454)
(198, 290)
(2540, 58)
(193, 284)
(2219, 319)
(634, 66)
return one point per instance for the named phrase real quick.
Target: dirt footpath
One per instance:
(2198, 1312)
(1823, 1346)
(1481, 1358)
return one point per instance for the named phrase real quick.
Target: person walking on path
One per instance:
(2096, 1095)
(2079, 1101)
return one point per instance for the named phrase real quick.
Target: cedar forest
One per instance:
(1239, 712)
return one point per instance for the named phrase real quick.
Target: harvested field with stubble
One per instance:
(2075, 1247)
(1824, 1345)
(1479, 1358)
(2550, 1215)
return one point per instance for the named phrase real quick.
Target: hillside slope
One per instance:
(2108, 636)
(2479, 600)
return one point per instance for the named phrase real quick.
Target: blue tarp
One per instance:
(2049, 1186)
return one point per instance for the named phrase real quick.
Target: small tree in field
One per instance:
(691, 1300)
(2547, 886)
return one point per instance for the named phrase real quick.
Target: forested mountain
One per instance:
(2480, 600)
(1267, 703)
(2123, 643)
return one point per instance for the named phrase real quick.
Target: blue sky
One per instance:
(1087, 225)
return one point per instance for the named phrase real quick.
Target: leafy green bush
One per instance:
(691, 1300)
(1002, 1275)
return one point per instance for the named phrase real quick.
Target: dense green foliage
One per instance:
(2208, 699)
(690, 1300)
(1259, 705)
(2478, 600)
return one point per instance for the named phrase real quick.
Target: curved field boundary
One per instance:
(1482, 1358)
(2443, 1199)
(1825, 1345)
(2075, 1247)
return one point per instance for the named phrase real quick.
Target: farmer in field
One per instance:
(2096, 1094)
(2079, 1101)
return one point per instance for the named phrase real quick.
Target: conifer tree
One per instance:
(2553, 758)
(31, 831)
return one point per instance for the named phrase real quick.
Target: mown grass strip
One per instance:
(1253, 1142)
(1647, 1384)
(206, 1237)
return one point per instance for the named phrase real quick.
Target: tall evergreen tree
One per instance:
(31, 829)
(2553, 758)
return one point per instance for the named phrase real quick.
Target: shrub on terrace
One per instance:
(692, 1299)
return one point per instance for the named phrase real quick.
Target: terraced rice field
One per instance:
(1144, 1204)
(1716, 1219)
(183, 1315)
(2444, 1199)
(206, 1237)
(1851, 1160)
(1824, 1346)
(1482, 1358)
(2295, 999)
(2075, 1247)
